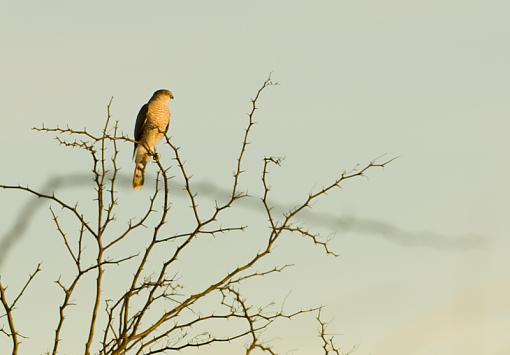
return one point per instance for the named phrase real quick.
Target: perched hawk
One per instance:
(151, 125)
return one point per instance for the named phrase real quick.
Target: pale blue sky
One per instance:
(425, 80)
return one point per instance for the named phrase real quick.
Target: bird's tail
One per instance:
(138, 175)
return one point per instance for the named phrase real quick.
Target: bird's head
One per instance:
(163, 94)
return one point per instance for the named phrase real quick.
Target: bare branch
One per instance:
(27, 283)
(8, 310)
(64, 205)
(14, 335)
(328, 340)
(155, 312)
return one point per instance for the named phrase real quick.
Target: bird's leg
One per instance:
(151, 152)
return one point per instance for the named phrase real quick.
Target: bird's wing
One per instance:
(140, 121)
(167, 125)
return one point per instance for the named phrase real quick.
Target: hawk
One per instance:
(151, 125)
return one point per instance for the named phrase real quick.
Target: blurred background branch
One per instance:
(355, 224)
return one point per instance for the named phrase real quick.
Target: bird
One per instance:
(152, 124)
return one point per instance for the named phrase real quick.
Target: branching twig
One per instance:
(155, 313)
(9, 307)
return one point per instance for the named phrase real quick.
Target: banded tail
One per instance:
(138, 175)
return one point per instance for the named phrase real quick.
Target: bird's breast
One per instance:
(158, 115)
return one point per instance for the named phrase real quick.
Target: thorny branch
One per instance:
(328, 340)
(9, 308)
(154, 314)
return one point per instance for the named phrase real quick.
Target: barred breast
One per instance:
(158, 114)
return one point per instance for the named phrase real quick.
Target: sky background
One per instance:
(423, 269)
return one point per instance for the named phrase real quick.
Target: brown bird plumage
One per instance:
(151, 125)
